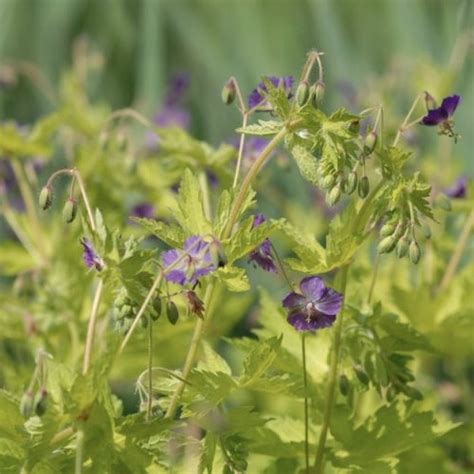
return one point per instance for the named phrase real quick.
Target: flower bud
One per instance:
(319, 89)
(328, 181)
(402, 247)
(26, 404)
(370, 142)
(156, 305)
(443, 202)
(69, 210)
(302, 93)
(387, 245)
(351, 182)
(334, 195)
(364, 187)
(415, 252)
(172, 312)
(228, 92)
(40, 403)
(387, 229)
(426, 230)
(46, 197)
(361, 375)
(430, 103)
(344, 385)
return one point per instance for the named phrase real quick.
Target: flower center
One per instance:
(310, 311)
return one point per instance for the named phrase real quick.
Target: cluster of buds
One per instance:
(46, 201)
(34, 404)
(399, 234)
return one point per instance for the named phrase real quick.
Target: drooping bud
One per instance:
(364, 187)
(26, 404)
(46, 197)
(415, 252)
(334, 195)
(443, 202)
(387, 245)
(344, 385)
(387, 229)
(69, 210)
(302, 93)
(319, 90)
(426, 230)
(156, 305)
(172, 312)
(370, 142)
(430, 102)
(40, 403)
(351, 182)
(328, 181)
(361, 375)
(228, 92)
(402, 247)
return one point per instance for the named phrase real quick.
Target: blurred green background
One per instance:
(144, 41)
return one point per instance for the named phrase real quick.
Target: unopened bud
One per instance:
(364, 187)
(415, 252)
(430, 102)
(361, 375)
(328, 181)
(387, 245)
(302, 93)
(172, 312)
(443, 202)
(402, 247)
(69, 210)
(40, 403)
(387, 229)
(26, 404)
(46, 197)
(156, 313)
(228, 92)
(370, 142)
(344, 385)
(334, 195)
(351, 182)
(426, 230)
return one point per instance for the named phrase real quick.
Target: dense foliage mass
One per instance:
(150, 274)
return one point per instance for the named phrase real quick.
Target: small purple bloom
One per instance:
(195, 261)
(91, 259)
(458, 189)
(257, 96)
(143, 210)
(315, 307)
(262, 255)
(443, 113)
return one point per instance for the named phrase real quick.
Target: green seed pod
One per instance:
(387, 244)
(328, 181)
(402, 247)
(40, 403)
(361, 375)
(172, 312)
(26, 404)
(370, 142)
(426, 230)
(364, 187)
(443, 202)
(155, 315)
(344, 385)
(319, 90)
(302, 93)
(69, 210)
(334, 195)
(399, 229)
(415, 252)
(228, 92)
(351, 182)
(387, 229)
(46, 197)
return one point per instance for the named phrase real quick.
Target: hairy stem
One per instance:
(306, 411)
(241, 150)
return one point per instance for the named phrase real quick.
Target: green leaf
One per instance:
(234, 278)
(307, 163)
(213, 362)
(171, 234)
(14, 259)
(277, 97)
(208, 451)
(262, 128)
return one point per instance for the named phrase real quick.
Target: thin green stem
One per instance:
(91, 327)
(306, 410)
(241, 150)
(79, 451)
(150, 366)
(282, 267)
(374, 278)
(403, 127)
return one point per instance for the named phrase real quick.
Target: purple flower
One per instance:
(258, 96)
(195, 261)
(143, 210)
(458, 189)
(441, 116)
(315, 307)
(91, 259)
(262, 255)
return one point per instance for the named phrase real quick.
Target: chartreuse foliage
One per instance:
(238, 403)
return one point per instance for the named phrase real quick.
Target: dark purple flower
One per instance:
(262, 255)
(258, 96)
(143, 210)
(195, 260)
(458, 189)
(91, 259)
(315, 307)
(441, 116)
